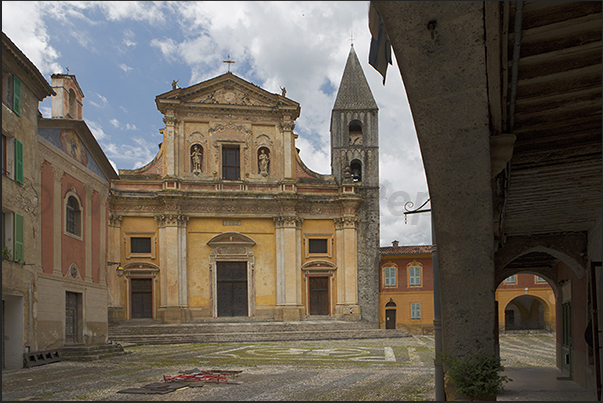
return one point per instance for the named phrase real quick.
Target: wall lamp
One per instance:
(119, 270)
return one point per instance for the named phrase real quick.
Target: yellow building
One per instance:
(525, 301)
(227, 221)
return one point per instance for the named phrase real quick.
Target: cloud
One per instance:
(125, 67)
(97, 130)
(138, 154)
(103, 102)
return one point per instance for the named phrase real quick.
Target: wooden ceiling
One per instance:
(551, 101)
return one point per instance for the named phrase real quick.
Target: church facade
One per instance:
(227, 221)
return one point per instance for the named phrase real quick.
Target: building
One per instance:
(227, 221)
(506, 100)
(525, 301)
(23, 88)
(54, 216)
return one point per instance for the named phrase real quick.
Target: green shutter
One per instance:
(18, 161)
(16, 95)
(18, 238)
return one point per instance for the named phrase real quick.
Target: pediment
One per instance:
(231, 238)
(226, 89)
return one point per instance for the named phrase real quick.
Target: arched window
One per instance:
(414, 273)
(356, 168)
(73, 214)
(355, 132)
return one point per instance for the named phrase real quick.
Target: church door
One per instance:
(319, 295)
(232, 288)
(71, 318)
(142, 298)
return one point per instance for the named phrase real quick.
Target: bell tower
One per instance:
(355, 160)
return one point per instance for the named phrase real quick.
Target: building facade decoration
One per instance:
(232, 219)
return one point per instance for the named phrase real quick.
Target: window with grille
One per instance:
(318, 246)
(511, 279)
(231, 167)
(73, 216)
(389, 276)
(140, 244)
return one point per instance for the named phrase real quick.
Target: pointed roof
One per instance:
(354, 91)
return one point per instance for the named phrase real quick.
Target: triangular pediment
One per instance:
(227, 89)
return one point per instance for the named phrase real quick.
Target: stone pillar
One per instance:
(173, 307)
(88, 227)
(59, 207)
(452, 119)
(169, 143)
(347, 268)
(114, 283)
(288, 268)
(289, 149)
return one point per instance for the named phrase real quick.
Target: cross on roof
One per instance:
(229, 62)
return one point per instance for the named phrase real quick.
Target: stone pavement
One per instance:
(369, 369)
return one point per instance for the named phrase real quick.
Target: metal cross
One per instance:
(352, 39)
(229, 62)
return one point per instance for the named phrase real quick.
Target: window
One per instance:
(12, 236)
(231, 163)
(318, 246)
(389, 276)
(414, 275)
(73, 216)
(140, 244)
(511, 279)
(12, 158)
(11, 92)
(415, 310)
(540, 279)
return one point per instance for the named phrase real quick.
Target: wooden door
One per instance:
(232, 289)
(141, 297)
(319, 295)
(390, 318)
(71, 318)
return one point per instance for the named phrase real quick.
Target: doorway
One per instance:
(141, 295)
(319, 295)
(232, 289)
(72, 317)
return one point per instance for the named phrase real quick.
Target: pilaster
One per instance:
(114, 283)
(89, 190)
(347, 266)
(58, 208)
(288, 267)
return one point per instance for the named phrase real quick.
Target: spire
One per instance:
(354, 91)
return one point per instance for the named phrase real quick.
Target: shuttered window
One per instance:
(16, 95)
(389, 276)
(415, 310)
(18, 252)
(414, 275)
(18, 161)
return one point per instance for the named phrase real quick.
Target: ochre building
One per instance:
(227, 221)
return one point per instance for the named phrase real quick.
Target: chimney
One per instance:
(395, 244)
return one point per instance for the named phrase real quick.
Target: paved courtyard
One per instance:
(352, 370)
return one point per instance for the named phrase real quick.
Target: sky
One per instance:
(125, 53)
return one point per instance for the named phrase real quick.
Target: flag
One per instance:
(380, 53)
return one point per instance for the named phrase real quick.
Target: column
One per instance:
(288, 146)
(115, 285)
(288, 268)
(347, 266)
(59, 207)
(173, 307)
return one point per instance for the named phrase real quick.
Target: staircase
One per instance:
(146, 332)
(90, 352)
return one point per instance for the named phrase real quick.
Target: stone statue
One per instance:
(283, 91)
(196, 158)
(263, 162)
(175, 84)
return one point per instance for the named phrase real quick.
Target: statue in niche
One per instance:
(196, 158)
(263, 160)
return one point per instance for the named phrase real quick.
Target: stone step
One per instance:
(90, 352)
(138, 334)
